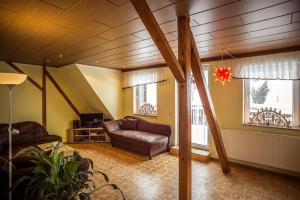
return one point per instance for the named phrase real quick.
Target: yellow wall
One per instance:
(79, 83)
(27, 101)
(165, 103)
(228, 102)
(26, 97)
(106, 83)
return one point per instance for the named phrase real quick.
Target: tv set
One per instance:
(91, 120)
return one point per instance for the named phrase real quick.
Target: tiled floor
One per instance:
(157, 179)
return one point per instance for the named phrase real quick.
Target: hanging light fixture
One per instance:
(222, 73)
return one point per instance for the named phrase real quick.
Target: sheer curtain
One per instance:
(284, 66)
(141, 77)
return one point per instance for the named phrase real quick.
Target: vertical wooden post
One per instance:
(184, 58)
(44, 99)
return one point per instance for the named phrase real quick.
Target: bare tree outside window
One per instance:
(259, 95)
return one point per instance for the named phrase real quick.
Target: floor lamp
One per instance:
(11, 80)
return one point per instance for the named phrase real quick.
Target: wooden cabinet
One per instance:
(87, 135)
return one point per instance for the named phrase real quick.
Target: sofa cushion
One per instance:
(156, 128)
(141, 136)
(129, 124)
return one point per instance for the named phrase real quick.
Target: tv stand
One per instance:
(87, 135)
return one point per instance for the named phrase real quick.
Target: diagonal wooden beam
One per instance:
(208, 106)
(44, 99)
(159, 38)
(185, 146)
(22, 72)
(62, 92)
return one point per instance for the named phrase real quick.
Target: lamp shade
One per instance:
(12, 78)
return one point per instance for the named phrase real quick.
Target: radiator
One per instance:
(273, 150)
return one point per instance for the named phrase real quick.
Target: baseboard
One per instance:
(197, 154)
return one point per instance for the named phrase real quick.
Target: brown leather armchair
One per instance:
(148, 138)
(30, 133)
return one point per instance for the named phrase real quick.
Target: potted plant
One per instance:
(56, 177)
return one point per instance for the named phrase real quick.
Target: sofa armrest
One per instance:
(111, 126)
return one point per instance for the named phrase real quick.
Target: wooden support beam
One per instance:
(158, 37)
(44, 99)
(28, 78)
(62, 92)
(185, 146)
(208, 106)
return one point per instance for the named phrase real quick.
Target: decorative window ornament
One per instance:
(270, 117)
(146, 109)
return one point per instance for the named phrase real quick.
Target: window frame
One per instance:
(135, 101)
(296, 106)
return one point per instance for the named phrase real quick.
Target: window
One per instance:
(280, 94)
(145, 99)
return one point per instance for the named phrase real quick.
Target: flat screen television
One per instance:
(91, 120)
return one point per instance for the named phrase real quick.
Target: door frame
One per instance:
(205, 67)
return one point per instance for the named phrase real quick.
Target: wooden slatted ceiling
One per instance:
(109, 33)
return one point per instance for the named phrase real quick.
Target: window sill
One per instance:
(262, 126)
(144, 115)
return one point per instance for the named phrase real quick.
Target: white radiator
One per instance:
(274, 150)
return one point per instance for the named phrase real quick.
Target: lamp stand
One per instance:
(10, 132)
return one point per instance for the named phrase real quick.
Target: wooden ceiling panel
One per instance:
(25, 26)
(218, 25)
(278, 21)
(125, 13)
(171, 36)
(128, 58)
(84, 11)
(122, 49)
(276, 30)
(271, 12)
(118, 2)
(166, 14)
(296, 17)
(7, 17)
(73, 51)
(218, 41)
(295, 33)
(123, 30)
(109, 33)
(144, 34)
(43, 38)
(192, 7)
(65, 5)
(156, 5)
(121, 42)
(104, 46)
(13, 5)
(233, 9)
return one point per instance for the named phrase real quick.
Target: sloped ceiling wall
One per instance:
(100, 88)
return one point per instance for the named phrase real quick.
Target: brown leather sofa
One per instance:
(30, 133)
(145, 138)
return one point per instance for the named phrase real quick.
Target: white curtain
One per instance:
(284, 66)
(141, 77)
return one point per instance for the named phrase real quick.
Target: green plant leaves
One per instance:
(58, 178)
